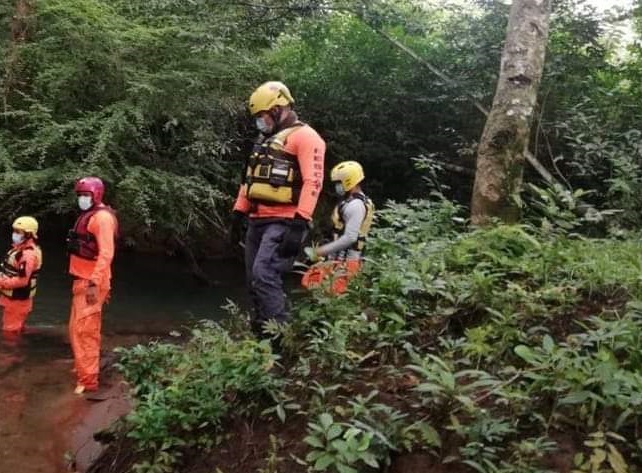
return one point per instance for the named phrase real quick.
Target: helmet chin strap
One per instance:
(275, 115)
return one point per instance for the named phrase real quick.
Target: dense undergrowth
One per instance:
(490, 350)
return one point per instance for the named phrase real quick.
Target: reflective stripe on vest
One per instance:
(80, 241)
(339, 224)
(13, 266)
(273, 175)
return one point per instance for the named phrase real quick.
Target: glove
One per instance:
(311, 254)
(238, 217)
(293, 237)
(238, 227)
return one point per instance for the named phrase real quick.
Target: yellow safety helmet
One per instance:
(26, 224)
(269, 95)
(348, 173)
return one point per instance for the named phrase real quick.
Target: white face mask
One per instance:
(84, 202)
(262, 125)
(17, 238)
(338, 189)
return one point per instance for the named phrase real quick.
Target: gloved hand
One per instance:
(293, 237)
(238, 227)
(238, 217)
(311, 254)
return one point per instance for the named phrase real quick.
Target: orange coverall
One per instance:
(16, 311)
(85, 319)
(338, 272)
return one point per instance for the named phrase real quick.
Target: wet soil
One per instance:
(44, 427)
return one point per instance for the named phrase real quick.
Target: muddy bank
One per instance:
(44, 427)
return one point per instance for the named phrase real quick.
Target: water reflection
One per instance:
(145, 289)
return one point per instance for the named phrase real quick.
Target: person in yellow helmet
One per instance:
(19, 275)
(279, 193)
(351, 219)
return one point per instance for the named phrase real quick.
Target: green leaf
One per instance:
(369, 459)
(343, 468)
(326, 420)
(430, 436)
(578, 459)
(597, 457)
(323, 462)
(577, 397)
(616, 460)
(526, 354)
(334, 431)
(313, 441)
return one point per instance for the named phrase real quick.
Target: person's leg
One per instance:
(84, 333)
(252, 244)
(267, 274)
(15, 315)
(88, 332)
(73, 318)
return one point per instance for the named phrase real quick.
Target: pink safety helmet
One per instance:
(91, 184)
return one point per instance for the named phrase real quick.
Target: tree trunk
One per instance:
(504, 142)
(22, 29)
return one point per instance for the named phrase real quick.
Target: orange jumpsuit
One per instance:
(338, 272)
(85, 319)
(17, 310)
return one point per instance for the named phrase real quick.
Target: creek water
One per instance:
(151, 295)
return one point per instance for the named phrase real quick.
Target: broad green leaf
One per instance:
(577, 397)
(313, 441)
(343, 468)
(323, 462)
(326, 420)
(334, 431)
(616, 461)
(526, 354)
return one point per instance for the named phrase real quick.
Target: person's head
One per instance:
(346, 177)
(270, 104)
(24, 228)
(90, 191)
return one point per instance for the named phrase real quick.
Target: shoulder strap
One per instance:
(281, 137)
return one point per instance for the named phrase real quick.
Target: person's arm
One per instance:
(354, 212)
(310, 152)
(28, 265)
(242, 203)
(103, 226)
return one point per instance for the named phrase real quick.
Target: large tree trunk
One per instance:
(504, 142)
(22, 29)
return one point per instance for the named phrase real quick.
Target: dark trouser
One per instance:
(264, 269)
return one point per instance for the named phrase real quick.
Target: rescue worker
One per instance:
(91, 250)
(279, 192)
(19, 275)
(351, 220)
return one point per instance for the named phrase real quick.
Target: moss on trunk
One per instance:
(500, 157)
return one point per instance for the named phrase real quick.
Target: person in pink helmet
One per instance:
(91, 244)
